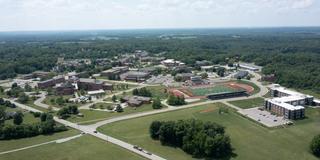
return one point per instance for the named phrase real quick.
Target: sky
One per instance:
(45, 15)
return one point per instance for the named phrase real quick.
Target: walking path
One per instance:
(39, 102)
(41, 144)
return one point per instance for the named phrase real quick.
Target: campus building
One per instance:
(93, 84)
(135, 76)
(250, 67)
(115, 71)
(287, 103)
(51, 82)
(136, 101)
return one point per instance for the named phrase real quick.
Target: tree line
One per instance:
(200, 139)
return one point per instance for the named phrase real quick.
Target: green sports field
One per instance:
(212, 90)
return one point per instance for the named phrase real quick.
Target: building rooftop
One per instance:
(286, 105)
(96, 92)
(289, 92)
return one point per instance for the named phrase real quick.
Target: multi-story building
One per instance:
(287, 103)
(51, 82)
(93, 84)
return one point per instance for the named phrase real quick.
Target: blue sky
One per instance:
(24, 15)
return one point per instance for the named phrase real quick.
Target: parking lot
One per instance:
(264, 117)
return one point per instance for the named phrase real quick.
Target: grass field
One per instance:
(211, 90)
(249, 139)
(6, 145)
(52, 103)
(83, 148)
(92, 116)
(248, 103)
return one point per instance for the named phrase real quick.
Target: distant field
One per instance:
(249, 139)
(83, 148)
(249, 103)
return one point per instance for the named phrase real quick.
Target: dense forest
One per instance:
(292, 54)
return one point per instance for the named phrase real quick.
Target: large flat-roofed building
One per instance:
(136, 76)
(287, 110)
(65, 89)
(115, 71)
(93, 84)
(287, 103)
(51, 82)
(250, 67)
(278, 91)
(241, 74)
(135, 101)
(171, 63)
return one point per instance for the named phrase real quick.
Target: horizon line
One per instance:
(155, 28)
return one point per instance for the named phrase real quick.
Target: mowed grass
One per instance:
(250, 140)
(92, 116)
(83, 148)
(6, 145)
(248, 103)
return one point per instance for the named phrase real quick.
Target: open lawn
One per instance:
(6, 145)
(92, 116)
(158, 91)
(249, 139)
(83, 148)
(28, 118)
(51, 100)
(249, 103)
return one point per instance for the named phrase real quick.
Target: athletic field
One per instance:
(203, 91)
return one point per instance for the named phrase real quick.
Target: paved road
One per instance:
(39, 102)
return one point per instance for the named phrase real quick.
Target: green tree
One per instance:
(23, 98)
(221, 71)
(119, 108)
(204, 75)
(156, 103)
(114, 98)
(154, 129)
(2, 115)
(315, 146)
(18, 118)
(60, 101)
(27, 88)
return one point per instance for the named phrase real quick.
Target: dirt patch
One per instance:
(248, 88)
(207, 110)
